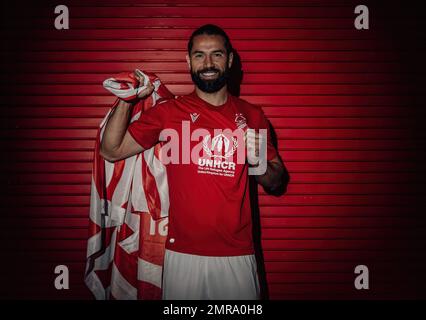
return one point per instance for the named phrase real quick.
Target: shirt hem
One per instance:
(215, 253)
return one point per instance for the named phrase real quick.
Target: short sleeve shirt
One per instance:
(210, 211)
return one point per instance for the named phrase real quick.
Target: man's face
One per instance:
(208, 62)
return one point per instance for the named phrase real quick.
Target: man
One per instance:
(209, 249)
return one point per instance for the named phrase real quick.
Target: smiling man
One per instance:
(209, 249)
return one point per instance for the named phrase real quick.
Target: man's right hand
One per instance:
(146, 92)
(142, 95)
(117, 143)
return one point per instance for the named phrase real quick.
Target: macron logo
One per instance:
(194, 116)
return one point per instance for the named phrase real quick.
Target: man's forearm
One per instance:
(115, 128)
(272, 178)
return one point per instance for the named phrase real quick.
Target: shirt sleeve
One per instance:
(146, 130)
(264, 124)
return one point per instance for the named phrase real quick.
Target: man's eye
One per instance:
(198, 55)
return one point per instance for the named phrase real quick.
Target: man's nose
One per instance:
(208, 62)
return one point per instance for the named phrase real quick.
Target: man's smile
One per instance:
(208, 74)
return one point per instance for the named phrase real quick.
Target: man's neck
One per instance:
(216, 98)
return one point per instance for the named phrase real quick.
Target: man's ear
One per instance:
(188, 60)
(230, 59)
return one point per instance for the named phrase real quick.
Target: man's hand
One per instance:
(146, 92)
(117, 143)
(253, 141)
(142, 95)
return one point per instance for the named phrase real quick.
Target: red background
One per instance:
(346, 106)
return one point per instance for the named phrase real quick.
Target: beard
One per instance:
(210, 86)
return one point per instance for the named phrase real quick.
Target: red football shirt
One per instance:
(210, 210)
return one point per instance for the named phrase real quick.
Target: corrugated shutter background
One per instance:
(346, 106)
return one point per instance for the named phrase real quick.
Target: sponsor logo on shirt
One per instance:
(221, 151)
(220, 148)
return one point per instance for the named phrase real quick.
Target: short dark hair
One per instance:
(211, 30)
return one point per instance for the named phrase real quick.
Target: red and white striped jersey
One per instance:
(126, 246)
